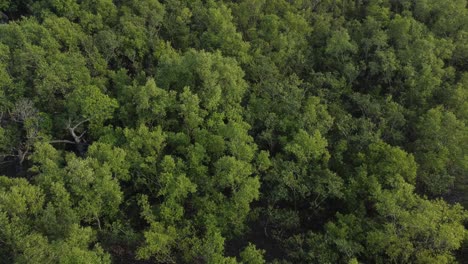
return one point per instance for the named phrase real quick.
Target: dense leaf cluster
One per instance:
(250, 131)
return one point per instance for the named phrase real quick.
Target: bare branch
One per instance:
(72, 130)
(82, 134)
(62, 141)
(80, 123)
(6, 162)
(23, 109)
(22, 153)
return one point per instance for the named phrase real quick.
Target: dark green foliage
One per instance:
(251, 131)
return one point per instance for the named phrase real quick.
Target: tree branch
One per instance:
(62, 141)
(72, 130)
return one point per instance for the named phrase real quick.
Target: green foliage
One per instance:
(251, 131)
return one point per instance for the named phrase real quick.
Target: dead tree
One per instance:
(23, 110)
(77, 137)
(72, 130)
(25, 114)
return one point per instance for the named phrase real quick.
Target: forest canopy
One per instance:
(249, 131)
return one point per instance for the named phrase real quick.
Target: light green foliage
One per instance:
(390, 163)
(220, 33)
(143, 145)
(22, 206)
(68, 34)
(88, 102)
(159, 241)
(190, 109)
(92, 189)
(216, 80)
(72, 250)
(339, 45)
(422, 231)
(113, 157)
(95, 15)
(151, 102)
(307, 147)
(441, 150)
(139, 23)
(175, 188)
(252, 255)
